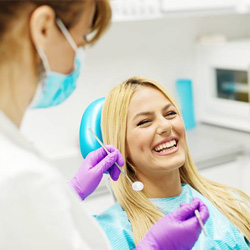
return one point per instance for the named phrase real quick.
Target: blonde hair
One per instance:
(141, 212)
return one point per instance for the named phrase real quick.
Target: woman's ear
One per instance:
(42, 26)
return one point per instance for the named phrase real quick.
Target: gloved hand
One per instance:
(91, 171)
(178, 230)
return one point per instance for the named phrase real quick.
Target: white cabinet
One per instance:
(235, 173)
(222, 84)
(225, 174)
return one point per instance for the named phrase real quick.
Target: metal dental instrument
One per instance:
(200, 221)
(197, 214)
(137, 185)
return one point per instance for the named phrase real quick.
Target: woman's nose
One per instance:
(164, 126)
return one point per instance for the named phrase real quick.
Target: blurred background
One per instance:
(196, 49)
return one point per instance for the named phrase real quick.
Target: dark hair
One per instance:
(68, 10)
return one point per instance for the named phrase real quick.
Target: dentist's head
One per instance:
(39, 41)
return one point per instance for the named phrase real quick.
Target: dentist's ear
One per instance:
(42, 26)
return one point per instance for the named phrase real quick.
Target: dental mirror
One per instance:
(137, 185)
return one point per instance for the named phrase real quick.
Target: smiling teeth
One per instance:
(166, 145)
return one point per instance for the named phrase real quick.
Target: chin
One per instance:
(173, 164)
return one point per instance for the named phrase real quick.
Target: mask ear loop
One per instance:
(40, 87)
(66, 34)
(44, 59)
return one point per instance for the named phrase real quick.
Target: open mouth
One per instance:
(167, 146)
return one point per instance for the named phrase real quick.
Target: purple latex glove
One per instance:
(178, 230)
(91, 171)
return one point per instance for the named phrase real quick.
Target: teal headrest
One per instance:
(91, 119)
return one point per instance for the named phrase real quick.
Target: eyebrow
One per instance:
(151, 113)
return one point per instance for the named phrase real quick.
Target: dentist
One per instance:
(39, 66)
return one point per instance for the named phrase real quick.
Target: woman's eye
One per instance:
(171, 113)
(143, 122)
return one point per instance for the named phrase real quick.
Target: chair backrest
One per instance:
(91, 118)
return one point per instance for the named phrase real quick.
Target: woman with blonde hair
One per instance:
(143, 122)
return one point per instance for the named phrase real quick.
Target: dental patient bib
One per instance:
(222, 235)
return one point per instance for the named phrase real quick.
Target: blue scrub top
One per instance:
(221, 233)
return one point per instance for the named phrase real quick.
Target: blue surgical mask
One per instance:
(55, 88)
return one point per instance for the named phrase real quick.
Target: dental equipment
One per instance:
(197, 214)
(137, 185)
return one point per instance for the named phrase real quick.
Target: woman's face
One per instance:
(155, 136)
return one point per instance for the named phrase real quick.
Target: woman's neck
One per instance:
(163, 186)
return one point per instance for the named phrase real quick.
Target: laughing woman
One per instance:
(148, 130)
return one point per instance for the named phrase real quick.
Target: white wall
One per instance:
(160, 49)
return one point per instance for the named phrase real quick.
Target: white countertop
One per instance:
(212, 145)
